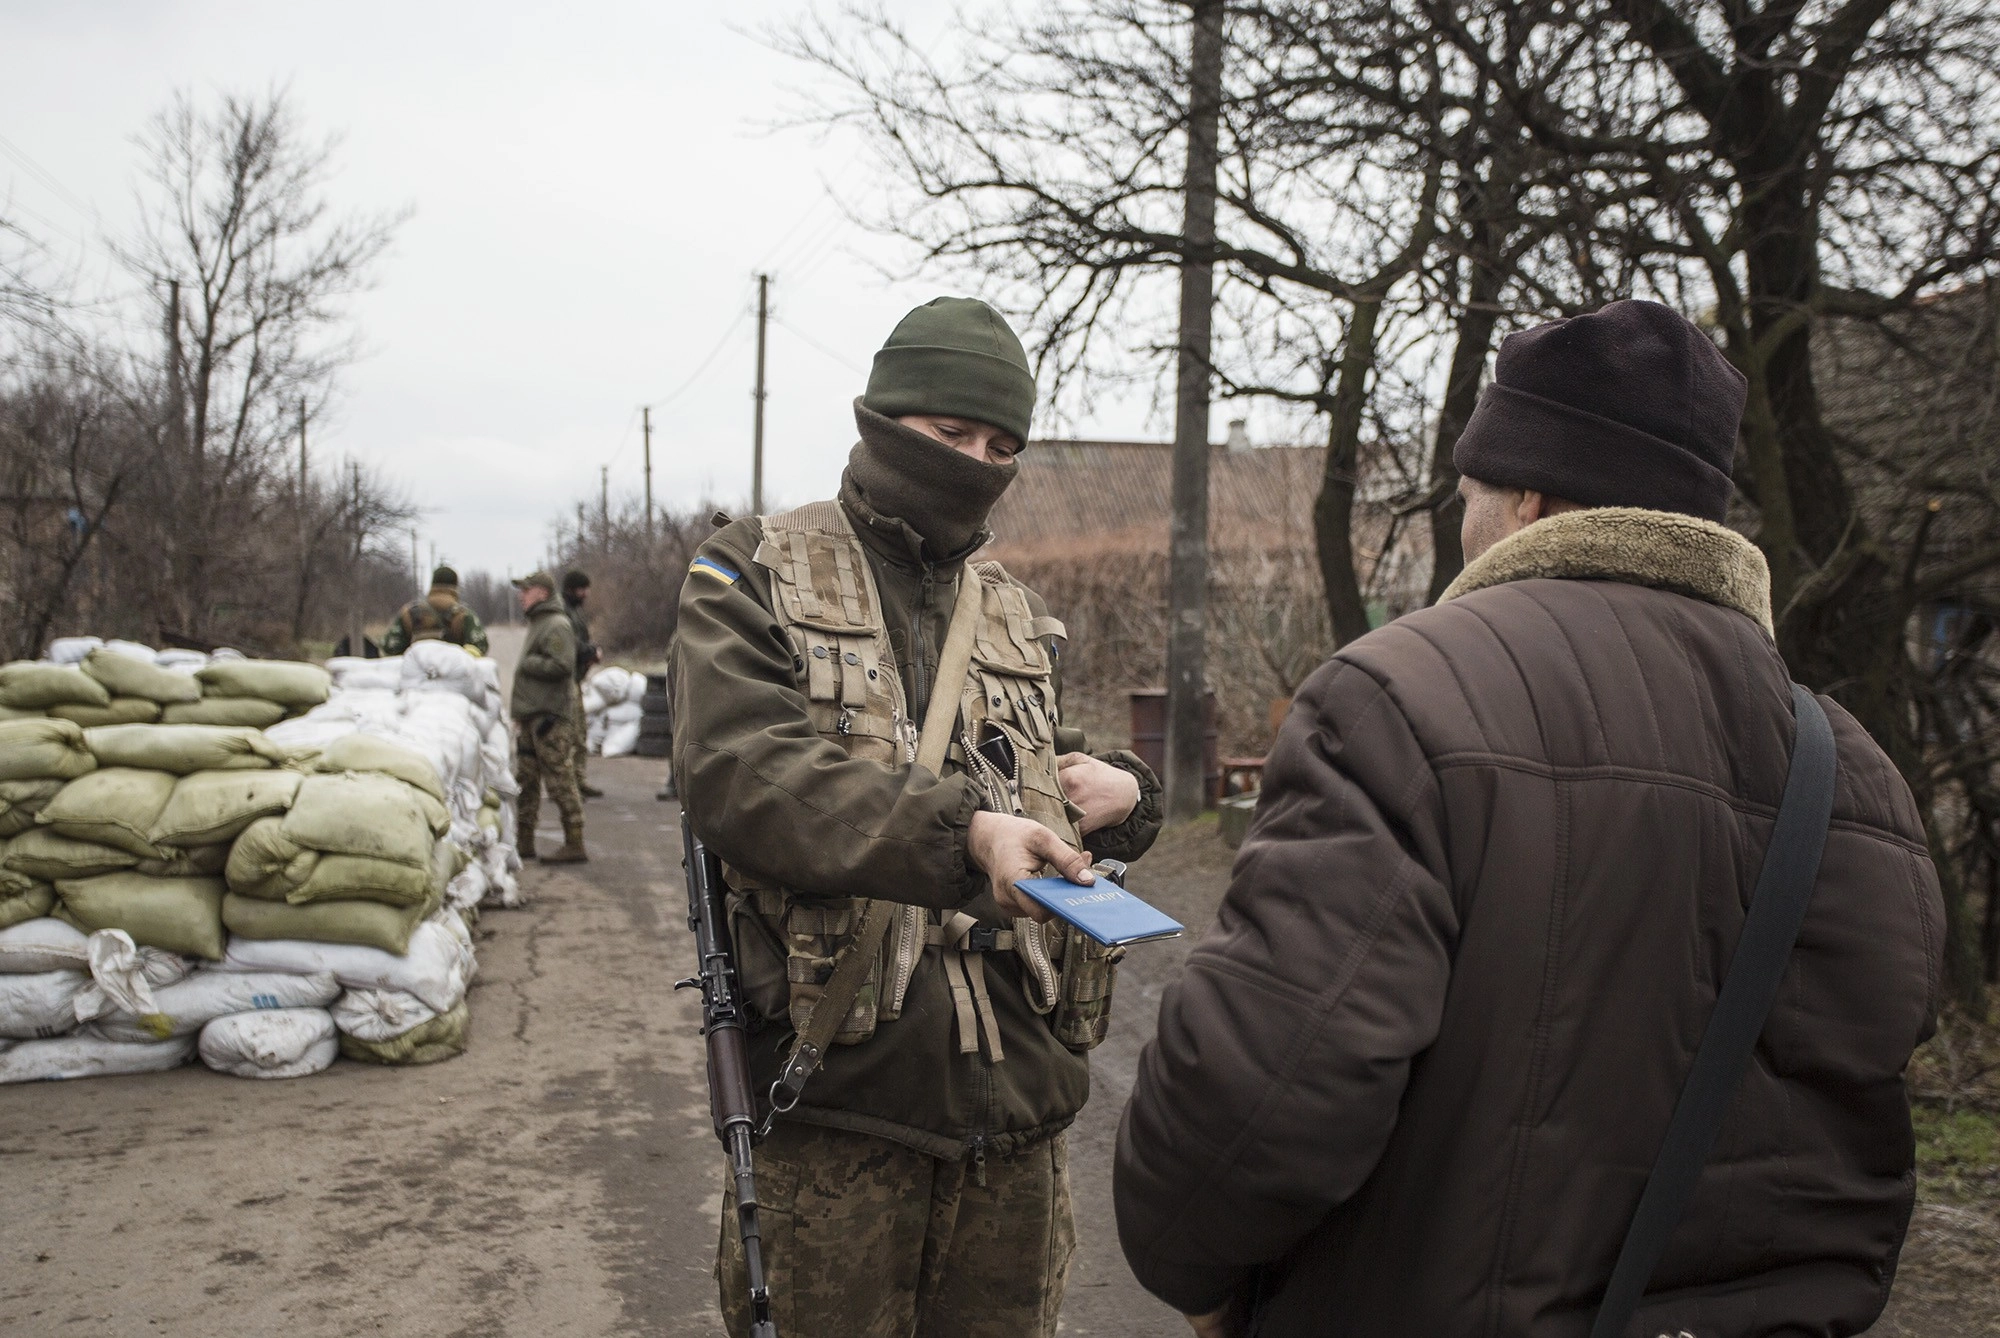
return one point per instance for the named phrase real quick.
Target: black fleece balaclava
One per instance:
(941, 494)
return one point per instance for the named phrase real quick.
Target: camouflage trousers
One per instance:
(866, 1238)
(580, 732)
(545, 756)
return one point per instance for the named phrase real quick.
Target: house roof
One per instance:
(1099, 496)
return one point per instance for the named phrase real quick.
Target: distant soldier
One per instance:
(438, 616)
(544, 750)
(575, 592)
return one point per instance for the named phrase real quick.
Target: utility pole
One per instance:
(1187, 572)
(647, 425)
(302, 456)
(604, 505)
(357, 641)
(417, 562)
(757, 437)
(176, 391)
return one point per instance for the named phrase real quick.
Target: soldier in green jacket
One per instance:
(437, 616)
(544, 746)
(920, 1186)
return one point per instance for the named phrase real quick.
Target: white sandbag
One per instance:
(351, 673)
(380, 1015)
(439, 666)
(45, 944)
(468, 888)
(437, 967)
(307, 734)
(621, 740)
(280, 1043)
(181, 661)
(624, 713)
(132, 650)
(35, 1007)
(72, 649)
(593, 734)
(86, 1056)
(124, 975)
(183, 1009)
(593, 700)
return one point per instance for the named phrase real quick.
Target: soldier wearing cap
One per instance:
(919, 1185)
(438, 616)
(544, 749)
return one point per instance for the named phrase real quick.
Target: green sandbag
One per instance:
(14, 713)
(43, 750)
(213, 807)
(263, 863)
(112, 806)
(359, 878)
(49, 856)
(367, 752)
(181, 915)
(33, 904)
(124, 676)
(368, 923)
(21, 800)
(13, 882)
(195, 862)
(122, 711)
(287, 682)
(363, 813)
(182, 749)
(249, 711)
(32, 685)
(426, 1043)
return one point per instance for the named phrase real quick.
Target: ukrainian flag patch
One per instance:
(709, 567)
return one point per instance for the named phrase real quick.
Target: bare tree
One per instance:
(253, 267)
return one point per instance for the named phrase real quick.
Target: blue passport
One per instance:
(1103, 910)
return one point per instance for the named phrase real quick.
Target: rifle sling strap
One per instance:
(850, 965)
(1770, 928)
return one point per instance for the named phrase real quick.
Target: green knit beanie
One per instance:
(954, 356)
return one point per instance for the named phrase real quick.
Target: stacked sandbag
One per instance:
(612, 710)
(140, 689)
(33, 687)
(54, 981)
(398, 1008)
(358, 858)
(257, 693)
(38, 758)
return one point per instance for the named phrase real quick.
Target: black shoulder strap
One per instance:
(1777, 908)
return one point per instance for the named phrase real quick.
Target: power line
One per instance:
(624, 440)
(713, 354)
(46, 178)
(819, 347)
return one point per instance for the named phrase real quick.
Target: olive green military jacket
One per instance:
(773, 798)
(544, 678)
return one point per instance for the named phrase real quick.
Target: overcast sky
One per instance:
(593, 187)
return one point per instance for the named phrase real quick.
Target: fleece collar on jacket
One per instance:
(1663, 549)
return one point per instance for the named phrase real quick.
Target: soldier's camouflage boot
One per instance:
(525, 843)
(588, 791)
(571, 851)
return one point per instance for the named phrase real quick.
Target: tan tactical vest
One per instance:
(826, 600)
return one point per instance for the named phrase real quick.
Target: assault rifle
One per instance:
(722, 1022)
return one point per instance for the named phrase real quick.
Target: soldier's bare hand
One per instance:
(1106, 794)
(1009, 848)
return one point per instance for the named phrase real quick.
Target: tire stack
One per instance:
(656, 726)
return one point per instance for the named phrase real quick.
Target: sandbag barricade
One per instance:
(177, 881)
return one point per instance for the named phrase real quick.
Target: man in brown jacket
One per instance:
(1414, 1077)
